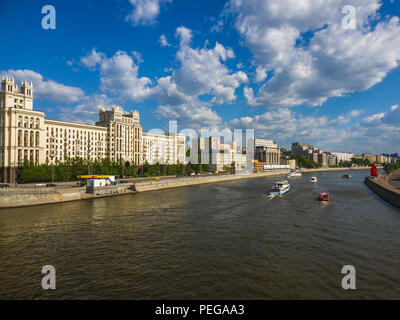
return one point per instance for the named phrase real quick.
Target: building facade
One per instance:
(124, 135)
(313, 153)
(342, 156)
(219, 155)
(164, 149)
(25, 135)
(267, 151)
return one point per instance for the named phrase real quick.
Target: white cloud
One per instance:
(93, 59)
(46, 89)
(87, 111)
(201, 79)
(119, 77)
(191, 115)
(261, 74)
(377, 133)
(332, 63)
(145, 12)
(390, 118)
(163, 41)
(202, 71)
(184, 35)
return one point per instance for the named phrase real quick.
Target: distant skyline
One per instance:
(289, 69)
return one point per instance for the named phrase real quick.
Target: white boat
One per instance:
(294, 174)
(280, 188)
(313, 179)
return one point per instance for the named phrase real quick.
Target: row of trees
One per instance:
(391, 167)
(355, 162)
(71, 168)
(303, 162)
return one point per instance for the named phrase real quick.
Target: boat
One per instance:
(313, 179)
(293, 174)
(280, 188)
(324, 197)
(346, 176)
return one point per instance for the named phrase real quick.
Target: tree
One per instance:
(391, 167)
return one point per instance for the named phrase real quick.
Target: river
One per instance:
(217, 241)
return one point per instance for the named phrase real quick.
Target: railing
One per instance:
(13, 189)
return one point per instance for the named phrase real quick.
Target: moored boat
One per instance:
(280, 188)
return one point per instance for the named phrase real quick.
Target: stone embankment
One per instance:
(388, 188)
(21, 197)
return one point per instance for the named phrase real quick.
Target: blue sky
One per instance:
(290, 69)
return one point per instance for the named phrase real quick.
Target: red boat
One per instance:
(324, 197)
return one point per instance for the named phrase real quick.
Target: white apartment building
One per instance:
(164, 149)
(340, 156)
(25, 135)
(218, 155)
(70, 140)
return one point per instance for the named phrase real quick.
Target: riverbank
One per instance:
(388, 192)
(21, 197)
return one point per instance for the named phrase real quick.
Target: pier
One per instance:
(388, 189)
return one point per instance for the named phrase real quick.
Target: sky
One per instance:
(324, 72)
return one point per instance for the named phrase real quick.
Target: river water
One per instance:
(217, 241)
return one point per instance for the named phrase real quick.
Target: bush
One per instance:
(391, 167)
(302, 162)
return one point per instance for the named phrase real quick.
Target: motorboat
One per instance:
(280, 188)
(324, 197)
(313, 179)
(293, 174)
(346, 176)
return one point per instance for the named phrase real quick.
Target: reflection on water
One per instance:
(215, 241)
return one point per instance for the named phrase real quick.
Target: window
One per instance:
(19, 138)
(37, 139)
(25, 139)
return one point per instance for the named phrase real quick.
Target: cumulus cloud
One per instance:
(191, 115)
(202, 71)
(86, 111)
(184, 35)
(93, 59)
(378, 133)
(163, 41)
(389, 118)
(310, 55)
(119, 77)
(46, 89)
(145, 12)
(201, 78)
(286, 126)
